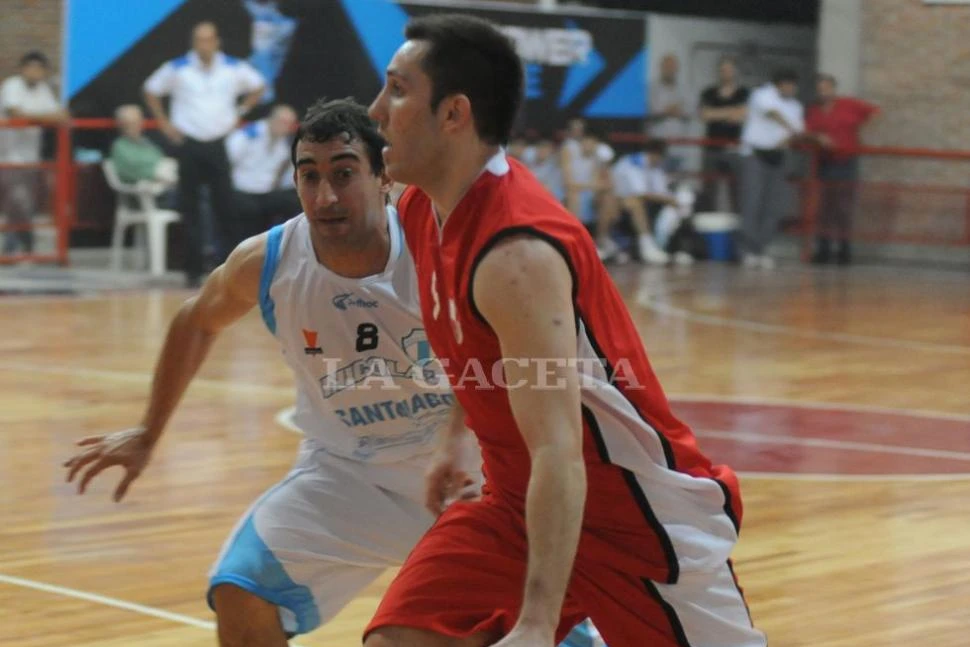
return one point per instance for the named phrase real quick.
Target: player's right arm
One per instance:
(445, 480)
(230, 292)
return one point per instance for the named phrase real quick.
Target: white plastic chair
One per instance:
(145, 213)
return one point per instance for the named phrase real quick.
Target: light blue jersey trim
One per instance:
(252, 566)
(266, 305)
(580, 636)
(393, 214)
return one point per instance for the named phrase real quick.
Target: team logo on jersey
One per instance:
(434, 296)
(455, 324)
(380, 373)
(452, 309)
(416, 347)
(347, 301)
(310, 337)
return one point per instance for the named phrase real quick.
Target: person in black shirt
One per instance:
(723, 108)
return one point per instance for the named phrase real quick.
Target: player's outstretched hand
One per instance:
(130, 448)
(445, 482)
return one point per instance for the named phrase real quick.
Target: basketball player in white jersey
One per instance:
(335, 286)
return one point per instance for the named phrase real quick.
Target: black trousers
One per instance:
(839, 184)
(257, 212)
(684, 238)
(718, 161)
(19, 190)
(204, 163)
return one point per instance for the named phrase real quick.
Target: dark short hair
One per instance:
(34, 57)
(827, 77)
(656, 146)
(470, 56)
(325, 120)
(784, 75)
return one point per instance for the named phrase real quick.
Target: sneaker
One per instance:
(767, 263)
(683, 258)
(844, 256)
(607, 249)
(750, 260)
(822, 253)
(651, 253)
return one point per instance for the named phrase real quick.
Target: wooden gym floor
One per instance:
(843, 396)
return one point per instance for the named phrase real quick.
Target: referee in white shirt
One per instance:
(204, 86)
(775, 118)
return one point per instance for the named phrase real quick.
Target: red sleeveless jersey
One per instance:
(654, 501)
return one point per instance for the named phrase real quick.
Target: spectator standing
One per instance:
(26, 95)
(834, 122)
(775, 118)
(204, 86)
(723, 109)
(669, 113)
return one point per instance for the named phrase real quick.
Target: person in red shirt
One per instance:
(834, 123)
(598, 502)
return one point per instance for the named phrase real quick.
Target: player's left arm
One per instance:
(523, 288)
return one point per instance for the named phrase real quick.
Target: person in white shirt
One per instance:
(26, 95)
(584, 160)
(643, 190)
(669, 112)
(775, 119)
(204, 86)
(543, 160)
(262, 177)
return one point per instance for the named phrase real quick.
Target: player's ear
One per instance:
(386, 183)
(456, 112)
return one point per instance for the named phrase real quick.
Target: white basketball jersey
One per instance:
(368, 388)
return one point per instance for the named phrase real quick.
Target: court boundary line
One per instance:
(817, 405)
(105, 600)
(116, 603)
(651, 302)
(831, 443)
(817, 477)
(134, 377)
(82, 295)
(831, 406)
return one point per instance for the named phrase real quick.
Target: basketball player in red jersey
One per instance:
(598, 501)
